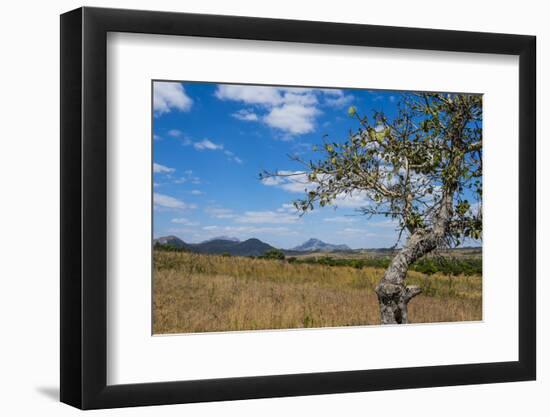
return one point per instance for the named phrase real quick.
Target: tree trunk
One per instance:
(393, 294)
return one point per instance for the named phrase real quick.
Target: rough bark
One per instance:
(393, 294)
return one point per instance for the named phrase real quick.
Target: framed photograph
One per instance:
(257, 208)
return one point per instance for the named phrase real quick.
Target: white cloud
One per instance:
(207, 144)
(273, 181)
(291, 181)
(297, 182)
(231, 157)
(161, 169)
(355, 199)
(291, 110)
(340, 219)
(197, 192)
(392, 224)
(337, 98)
(184, 221)
(166, 201)
(361, 232)
(168, 96)
(352, 230)
(286, 214)
(246, 115)
(266, 217)
(250, 94)
(219, 213)
(274, 230)
(175, 133)
(188, 177)
(301, 96)
(249, 230)
(295, 119)
(287, 208)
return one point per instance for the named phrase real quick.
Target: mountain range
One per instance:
(249, 247)
(316, 245)
(218, 246)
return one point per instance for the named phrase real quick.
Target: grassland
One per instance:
(205, 293)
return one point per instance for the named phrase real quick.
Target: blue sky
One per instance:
(211, 141)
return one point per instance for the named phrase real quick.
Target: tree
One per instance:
(274, 254)
(167, 247)
(422, 168)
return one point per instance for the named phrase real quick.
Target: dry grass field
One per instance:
(207, 293)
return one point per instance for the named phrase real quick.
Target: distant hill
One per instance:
(232, 239)
(216, 246)
(316, 245)
(250, 247)
(173, 241)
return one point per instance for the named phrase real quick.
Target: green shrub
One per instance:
(167, 247)
(273, 254)
(428, 266)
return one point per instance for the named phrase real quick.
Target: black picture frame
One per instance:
(84, 207)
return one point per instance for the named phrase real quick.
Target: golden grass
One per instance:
(204, 293)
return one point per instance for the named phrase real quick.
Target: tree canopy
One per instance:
(409, 165)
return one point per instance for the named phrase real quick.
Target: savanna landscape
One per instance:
(250, 182)
(207, 293)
